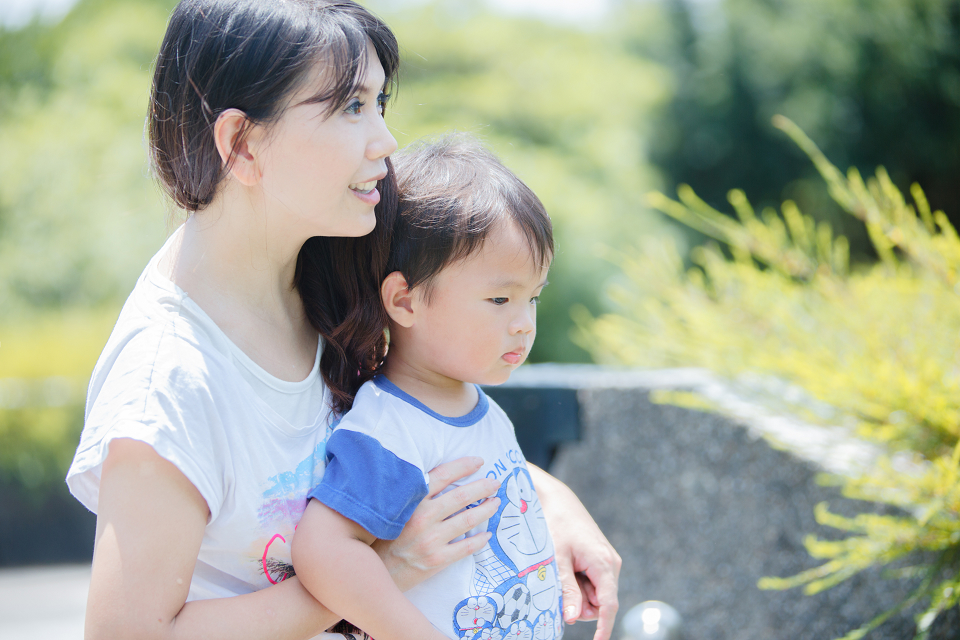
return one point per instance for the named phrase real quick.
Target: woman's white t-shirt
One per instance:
(252, 444)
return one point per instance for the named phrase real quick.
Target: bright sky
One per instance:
(15, 13)
(570, 10)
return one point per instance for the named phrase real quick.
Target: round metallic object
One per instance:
(651, 620)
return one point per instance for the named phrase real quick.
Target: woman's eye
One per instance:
(382, 101)
(535, 300)
(499, 301)
(354, 107)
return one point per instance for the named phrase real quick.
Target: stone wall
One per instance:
(700, 507)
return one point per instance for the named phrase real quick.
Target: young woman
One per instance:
(206, 414)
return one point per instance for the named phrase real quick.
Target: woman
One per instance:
(206, 413)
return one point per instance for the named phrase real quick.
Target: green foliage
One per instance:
(45, 363)
(879, 344)
(877, 82)
(78, 215)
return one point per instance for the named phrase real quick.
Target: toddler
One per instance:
(469, 255)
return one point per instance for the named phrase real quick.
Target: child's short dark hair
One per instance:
(452, 193)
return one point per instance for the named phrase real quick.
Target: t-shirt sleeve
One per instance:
(375, 475)
(168, 406)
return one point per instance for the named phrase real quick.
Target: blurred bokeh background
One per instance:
(594, 104)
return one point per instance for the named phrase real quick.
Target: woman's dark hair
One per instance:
(250, 55)
(339, 282)
(253, 55)
(452, 194)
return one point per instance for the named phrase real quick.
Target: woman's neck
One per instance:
(241, 275)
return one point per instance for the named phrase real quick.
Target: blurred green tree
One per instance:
(876, 82)
(78, 215)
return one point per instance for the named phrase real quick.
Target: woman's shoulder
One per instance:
(160, 329)
(154, 349)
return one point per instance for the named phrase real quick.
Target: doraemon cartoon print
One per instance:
(515, 591)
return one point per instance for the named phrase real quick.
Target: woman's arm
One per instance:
(149, 527)
(589, 566)
(333, 558)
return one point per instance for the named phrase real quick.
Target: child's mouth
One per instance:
(514, 357)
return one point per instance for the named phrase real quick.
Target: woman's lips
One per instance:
(371, 197)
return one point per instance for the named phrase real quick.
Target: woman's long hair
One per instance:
(339, 282)
(252, 55)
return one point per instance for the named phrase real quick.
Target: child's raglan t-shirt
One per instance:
(378, 458)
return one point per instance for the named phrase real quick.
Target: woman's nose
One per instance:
(382, 143)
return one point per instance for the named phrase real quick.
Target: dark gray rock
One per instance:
(700, 509)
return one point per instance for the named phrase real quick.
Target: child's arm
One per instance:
(334, 561)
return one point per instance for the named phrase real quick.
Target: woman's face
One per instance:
(319, 172)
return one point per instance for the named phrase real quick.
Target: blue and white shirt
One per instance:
(379, 457)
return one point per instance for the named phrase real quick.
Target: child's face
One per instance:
(481, 318)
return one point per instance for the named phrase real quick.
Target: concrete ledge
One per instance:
(701, 506)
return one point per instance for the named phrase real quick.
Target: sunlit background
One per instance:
(595, 105)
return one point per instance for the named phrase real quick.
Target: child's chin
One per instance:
(498, 378)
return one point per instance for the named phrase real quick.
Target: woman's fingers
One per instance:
(572, 597)
(466, 519)
(423, 547)
(469, 496)
(442, 476)
(603, 582)
(589, 607)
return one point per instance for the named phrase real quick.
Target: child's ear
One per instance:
(237, 138)
(398, 299)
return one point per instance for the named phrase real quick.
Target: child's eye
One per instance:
(354, 107)
(535, 300)
(499, 301)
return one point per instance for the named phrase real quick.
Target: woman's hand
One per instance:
(424, 547)
(589, 566)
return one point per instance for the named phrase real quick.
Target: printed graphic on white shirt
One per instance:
(283, 505)
(516, 587)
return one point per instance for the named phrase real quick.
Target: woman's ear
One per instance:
(398, 299)
(232, 133)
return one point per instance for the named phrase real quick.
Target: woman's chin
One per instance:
(358, 228)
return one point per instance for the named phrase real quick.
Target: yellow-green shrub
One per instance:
(45, 363)
(880, 344)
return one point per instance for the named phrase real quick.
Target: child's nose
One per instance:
(525, 321)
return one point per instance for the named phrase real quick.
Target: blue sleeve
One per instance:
(369, 484)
